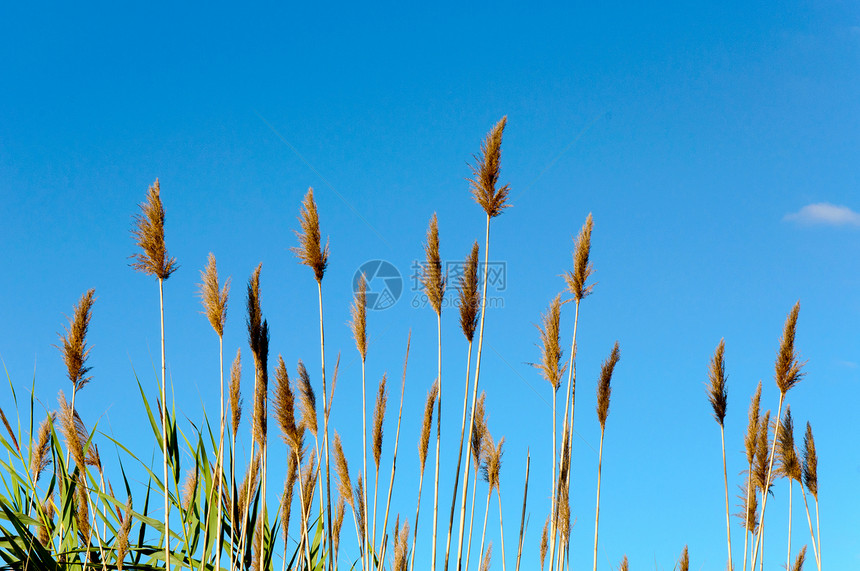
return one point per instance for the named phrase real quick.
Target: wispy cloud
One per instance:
(824, 213)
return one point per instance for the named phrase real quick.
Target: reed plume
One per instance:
(718, 397)
(360, 519)
(154, 260)
(603, 392)
(74, 342)
(42, 452)
(69, 426)
(787, 373)
(492, 471)
(432, 278)
(477, 445)
(44, 534)
(310, 250)
(287, 498)
(423, 443)
(523, 516)
(249, 484)
(761, 456)
(307, 400)
(189, 489)
(337, 526)
(359, 333)
(9, 429)
(750, 439)
(624, 565)
(235, 393)
(684, 562)
(378, 418)
(543, 543)
(283, 402)
(401, 548)
(485, 565)
(810, 480)
(486, 173)
(345, 484)
(582, 268)
(799, 561)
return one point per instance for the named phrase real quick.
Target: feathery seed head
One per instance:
(492, 466)
(261, 395)
(788, 460)
(761, 452)
(338, 524)
(485, 564)
(684, 562)
(469, 295)
(717, 387)
(359, 317)
(42, 451)
(69, 426)
(310, 250)
(401, 548)
(752, 428)
(74, 341)
(550, 365)
(787, 370)
(378, 418)
(287, 496)
(255, 312)
(624, 565)
(345, 485)
(428, 423)
(307, 400)
(309, 481)
(603, 386)
(284, 405)
(543, 543)
(486, 173)
(582, 269)
(235, 391)
(479, 431)
(149, 237)
(189, 489)
(9, 429)
(799, 561)
(358, 505)
(122, 535)
(810, 463)
(214, 296)
(434, 282)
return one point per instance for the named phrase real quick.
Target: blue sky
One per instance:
(716, 147)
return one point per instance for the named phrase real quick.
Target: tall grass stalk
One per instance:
(810, 480)
(750, 448)
(359, 333)
(423, 443)
(718, 398)
(476, 448)
(523, 517)
(603, 392)
(493, 200)
(154, 260)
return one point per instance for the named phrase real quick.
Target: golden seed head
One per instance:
(603, 386)
(235, 388)
(378, 418)
(189, 489)
(787, 370)
(551, 353)
(42, 451)
(344, 486)
(255, 313)
(810, 463)
(434, 282)
(789, 462)
(684, 562)
(761, 452)
(486, 173)
(74, 341)
(287, 496)
(485, 564)
(799, 561)
(717, 383)
(469, 295)
(149, 237)
(492, 466)
(543, 542)
(283, 402)
(307, 400)
(479, 430)
(214, 296)
(424, 442)
(582, 269)
(624, 565)
(310, 250)
(359, 317)
(752, 427)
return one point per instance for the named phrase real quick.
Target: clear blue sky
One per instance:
(701, 139)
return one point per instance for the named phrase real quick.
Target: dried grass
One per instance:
(582, 268)
(235, 391)
(431, 278)
(717, 394)
(427, 424)
(73, 343)
(310, 250)
(149, 237)
(486, 173)
(214, 296)
(603, 386)
(307, 400)
(469, 299)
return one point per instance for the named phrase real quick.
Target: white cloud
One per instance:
(824, 213)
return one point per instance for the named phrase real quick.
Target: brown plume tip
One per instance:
(492, 454)
(810, 463)
(358, 504)
(485, 564)
(255, 312)
(625, 566)
(345, 485)
(603, 386)
(310, 250)
(214, 296)
(544, 543)
(787, 370)
(479, 431)
(469, 295)
(582, 268)
(378, 418)
(427, 424)
(189, 489)
(761, 452)
(486, 173)
(434, 282)
(717, 383)
(359, 317)
(550, 365)
(74, 341)
(42, 452)
(789, 463)
(307, 400)
(283, 402)
(684, 562)
(752, 428)
(148, 233)
(235, 388)
(800, 560)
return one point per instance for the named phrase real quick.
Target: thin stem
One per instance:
(747, 530)
(597, 511)
(220, 469)
(501, 526)
(417, 511)
(818, 531)
(304, 513)
(459, 456)
(364, 458)
(554, 497)
(472, 519)
(486, 513)
(325, 424)
(790, 489)
(809, 520)
(523, 517)
(165, 424)
(474, 397)
(438, 439)
(726, 480)
(396, 443)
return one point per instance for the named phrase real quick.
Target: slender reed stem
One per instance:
(304, 513)
(818, 532)
(364, 458)
(597, 511)
(747, 530)
(325, 425)
(812, 535)
(726, 480)
(554, 499)
(757, 545)
(472, 519)
(165, 424)
(220, 468)
(523, 517)
(438, 439)
(415, 532)
(501, 526)
(459, 456)
(474, 397)
(790, 490)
